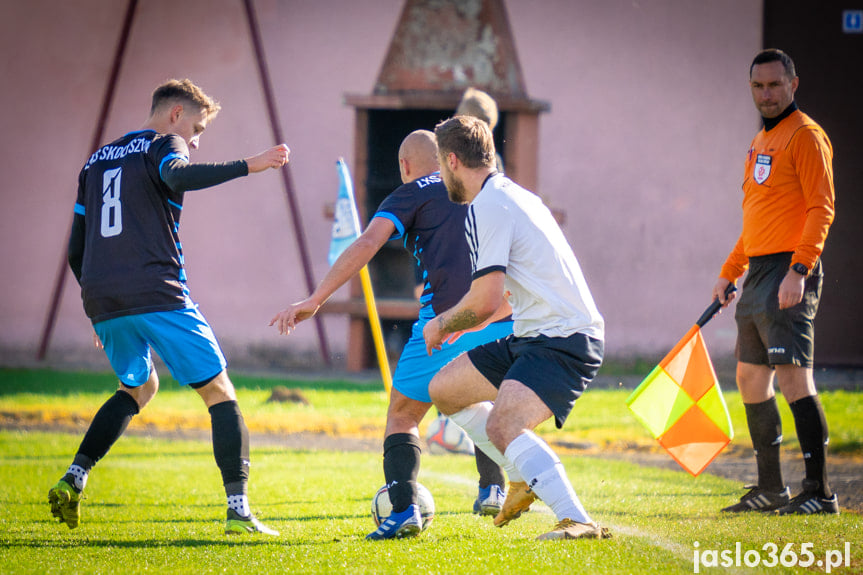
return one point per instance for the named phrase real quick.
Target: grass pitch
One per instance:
(158, 506)
(600, 420)
(155, 505)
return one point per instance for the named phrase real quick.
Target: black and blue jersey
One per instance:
(125, 247)
(432, 228)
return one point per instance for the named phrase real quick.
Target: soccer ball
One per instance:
(445, 436)
(382, 507)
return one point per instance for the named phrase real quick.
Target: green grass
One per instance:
(600, 417)
(157, 506)
(45, 397)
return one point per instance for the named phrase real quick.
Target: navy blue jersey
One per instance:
(433, 231)
(125, 249)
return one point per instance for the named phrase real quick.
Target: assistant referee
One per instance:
(788, 200)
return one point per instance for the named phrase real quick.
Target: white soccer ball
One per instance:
(382, 507)
(445, 436)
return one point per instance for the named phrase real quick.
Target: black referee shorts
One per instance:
(557, 369)
(767, 335)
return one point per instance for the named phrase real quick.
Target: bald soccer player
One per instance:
(432, 229)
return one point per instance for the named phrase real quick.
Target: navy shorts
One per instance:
(557, 369)
(767, 335)
(182, 338)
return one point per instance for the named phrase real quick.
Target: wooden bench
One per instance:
(360, 345)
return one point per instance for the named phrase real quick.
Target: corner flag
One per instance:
(680, 401)
(346, 221)
(346, 229)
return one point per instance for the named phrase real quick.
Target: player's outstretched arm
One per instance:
(352, 260)
(275, 157)
(181, 176)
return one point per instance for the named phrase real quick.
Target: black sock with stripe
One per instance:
(401, 468)
(765, 428)
(813, 437)
(230, 445)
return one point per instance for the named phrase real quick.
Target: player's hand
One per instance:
(287, 319)
(791, 289)
(275, 157)
(719, 292)
(433, 335)
(97, 343)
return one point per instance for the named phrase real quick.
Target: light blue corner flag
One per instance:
(346, 223)
(346, 228)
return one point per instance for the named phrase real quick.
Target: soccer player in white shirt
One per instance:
(557, 343)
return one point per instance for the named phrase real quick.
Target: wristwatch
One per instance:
(800, 269)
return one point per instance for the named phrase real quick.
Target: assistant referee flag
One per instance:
(681, 405)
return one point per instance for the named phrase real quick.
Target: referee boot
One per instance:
(757, 499)
(811, 501)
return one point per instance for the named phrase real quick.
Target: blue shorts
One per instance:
(557, 369)
(416, 368)
(182, 338)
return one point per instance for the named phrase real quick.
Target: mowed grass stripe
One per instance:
(600, 421)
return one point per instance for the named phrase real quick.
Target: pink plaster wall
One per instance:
(650, 116)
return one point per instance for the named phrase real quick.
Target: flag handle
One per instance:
(714, 307)
(377, 333)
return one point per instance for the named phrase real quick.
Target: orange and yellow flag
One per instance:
(681, 405)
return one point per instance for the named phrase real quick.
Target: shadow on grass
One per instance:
(114, 456)
(90, 542)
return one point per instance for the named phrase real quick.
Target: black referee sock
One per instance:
(813, 437)
(230, 444)
(107, 426)
(490, 472)
(401, 467)
(765, 428)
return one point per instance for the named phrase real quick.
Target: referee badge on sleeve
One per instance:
(762, 168)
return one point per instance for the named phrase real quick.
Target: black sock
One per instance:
(401, 467)
(813, 437)
(107, 426)
(230, 445)
(490, 472)
(765, 427)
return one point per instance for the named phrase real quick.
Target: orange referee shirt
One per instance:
(787, 195)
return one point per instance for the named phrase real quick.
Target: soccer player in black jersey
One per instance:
(126, 254)
(432, 229)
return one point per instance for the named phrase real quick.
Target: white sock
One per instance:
(546, 476)
(240, 504)
(473, 420)
(80, 474)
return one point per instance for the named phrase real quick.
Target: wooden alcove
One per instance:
(439, 48)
